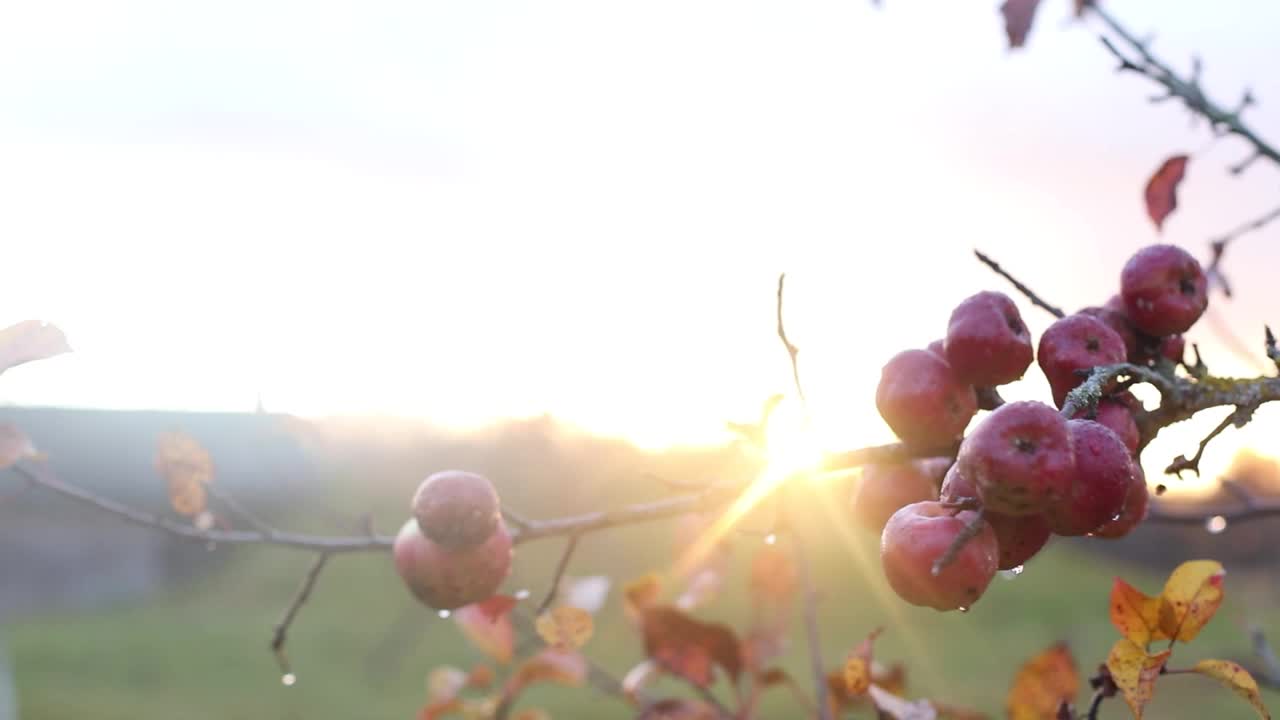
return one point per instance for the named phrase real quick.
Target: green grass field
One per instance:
(362, 649)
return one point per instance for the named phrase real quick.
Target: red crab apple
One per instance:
(1136, 504)
(883, 489)
(1117, 414)
(1076, 342)
(1112, 315)
(1019, 458)
(456, 509)
(1104, 474)
(1019, 538)
(1164, 290)
(919, 534)
(447, 579)
(987, 343)
(923, 401)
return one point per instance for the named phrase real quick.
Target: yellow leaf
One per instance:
(1135, 615)
(641, 594)
(1042, 684)
(14, 446)
(1236, 678)
(857, 668)
(1134, 671)
(187, 467)
(30, 340)
(566, 627)
(1191, 596)
(857, 675)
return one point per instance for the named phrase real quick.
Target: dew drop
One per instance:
(444, 614)
(1215, 524)
(523, 594)
(963, 608)
(1017, 570)
(288, 679)
(771, 539)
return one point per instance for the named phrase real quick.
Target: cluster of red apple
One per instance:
(455, 550)
(1031, 470)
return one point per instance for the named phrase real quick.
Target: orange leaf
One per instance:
(186, 467)
(1134, 671)
(492, 636)
(679, 710)
(640, 595)
(30, 340)
(1135, 615)
(1191, 597)
(1161, 193)
(1042, 684)
(1018, 15)
(689, 647)
(14, 446)
(857, 668)
(1236, 678)
(565, 627)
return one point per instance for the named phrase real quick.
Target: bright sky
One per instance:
(466, 211)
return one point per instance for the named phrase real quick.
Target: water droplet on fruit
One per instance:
(288, 679)
(963, 608)
(1161, 489)
(523, 594)
(770, 539)
(444, 614)
(1215, 524)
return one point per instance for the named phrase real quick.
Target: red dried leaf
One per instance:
(1161, 193)
(559, 667)
(689, 647)
(494, 636)
(1018, 16)
(496, 607)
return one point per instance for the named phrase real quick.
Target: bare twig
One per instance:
(792, 350)
(1239, 419)
(1026, 291)
(1218, 246)
(318, 543)
(291, 612)
(1265, 653)
(561, 566)
(1272, 351)
(236, 507)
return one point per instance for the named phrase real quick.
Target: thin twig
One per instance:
(561, 566)
(1026, 291)
(1180, 464)
(1218, 246)
(319, 543)
(291, 612)
(792, 350)
(1095, 704)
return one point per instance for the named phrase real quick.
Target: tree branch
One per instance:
(1026, 291)
(1218, 247)
(1239, 418)
(291, 612)
(561, 566)
(969, 532)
